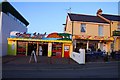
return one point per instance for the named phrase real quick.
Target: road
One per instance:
(19, 68)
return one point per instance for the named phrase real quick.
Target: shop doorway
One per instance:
(31, 47)
(45, 49)
(93, 45)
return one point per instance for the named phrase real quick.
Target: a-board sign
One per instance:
(34, 56)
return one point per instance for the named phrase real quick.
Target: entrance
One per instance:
(44, 49)
(93, 46)
(31, 47)
(66, 51)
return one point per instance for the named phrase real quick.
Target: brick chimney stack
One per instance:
(5, 1)
(99, 12)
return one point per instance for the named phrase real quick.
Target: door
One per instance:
(66, 51)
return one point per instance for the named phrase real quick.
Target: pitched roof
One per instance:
(7, 7)
(85, 18)
(111, 17)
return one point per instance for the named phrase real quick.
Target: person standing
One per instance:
(104, 48)
(40, 50)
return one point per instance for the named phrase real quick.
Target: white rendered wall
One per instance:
(0, 36)
(9, 24)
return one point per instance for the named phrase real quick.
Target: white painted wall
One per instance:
(0, 36)
(8, 25)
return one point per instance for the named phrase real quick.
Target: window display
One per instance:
(21, 48)
(57, 50)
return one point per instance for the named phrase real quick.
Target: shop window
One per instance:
(57, 50)
(119, 27)
(21, 48)
(83, 27)
(100, 30)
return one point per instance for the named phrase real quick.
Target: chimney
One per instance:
(5, 1)
(99, 12)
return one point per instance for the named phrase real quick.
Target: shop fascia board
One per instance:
(23, 39)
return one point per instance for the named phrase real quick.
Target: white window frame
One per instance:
(118, 26)
(83, 26)
(100, 30)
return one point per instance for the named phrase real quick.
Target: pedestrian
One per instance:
(40, 50)
(113, 54)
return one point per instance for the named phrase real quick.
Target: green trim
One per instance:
(116, 33)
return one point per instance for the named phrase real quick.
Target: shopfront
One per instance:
(50, 48)
(93, 43)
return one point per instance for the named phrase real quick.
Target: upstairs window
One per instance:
(118, 26)
(83, 27)
(100, 30)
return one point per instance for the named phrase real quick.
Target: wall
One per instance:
(0, 36)
(68, 26)
(117, 45)
(114, 26)
(12, 47)
(8, 25)
(91, 28)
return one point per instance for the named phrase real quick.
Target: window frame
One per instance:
(100, 30)
(83, 27)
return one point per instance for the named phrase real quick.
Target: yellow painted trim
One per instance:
(62, 50)
(49, 49)
(23, 39)
(37, 52)
(26, 48)
(15, 47)
(71, 49)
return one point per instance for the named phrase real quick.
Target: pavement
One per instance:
(46, 67)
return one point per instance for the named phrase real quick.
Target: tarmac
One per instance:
(60, 67)
(51, 62)
(47, 60)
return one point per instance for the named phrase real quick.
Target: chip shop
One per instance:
(55, 44)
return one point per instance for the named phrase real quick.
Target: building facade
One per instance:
(93, 32)
(55, 45)
(10, 20)
(114, 21)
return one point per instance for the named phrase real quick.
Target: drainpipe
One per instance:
(72, 34)
(72, 30)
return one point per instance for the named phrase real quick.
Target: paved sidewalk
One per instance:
(6, 59)
(49, 63)
(40, 60)
(44, 60)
